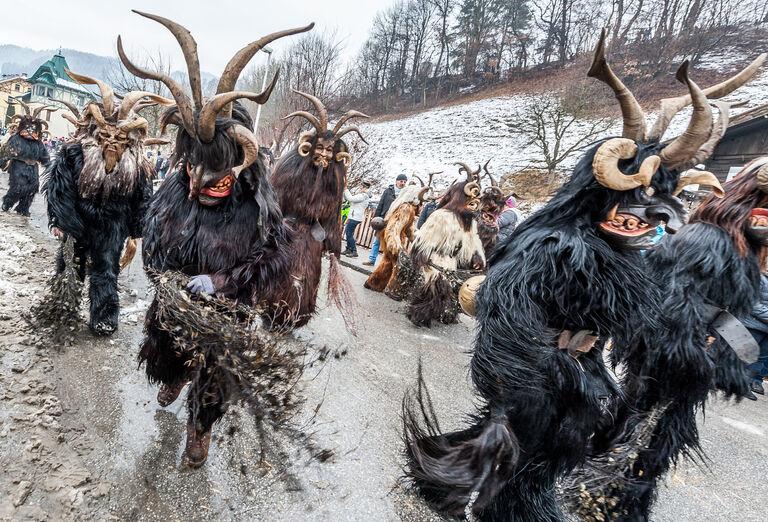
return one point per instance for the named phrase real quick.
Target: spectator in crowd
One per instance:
(757, 324)
(508, 220)
(357, 205)
(426, 211)
(389, 195)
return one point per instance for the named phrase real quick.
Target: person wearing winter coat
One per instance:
(757, 324)
(389, 195)
(357, 205)
(508, 220)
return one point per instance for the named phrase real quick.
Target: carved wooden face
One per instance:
(323, 153)
(113, 141)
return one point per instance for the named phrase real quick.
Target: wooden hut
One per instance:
(745, 140)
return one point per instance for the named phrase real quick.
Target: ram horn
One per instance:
(671, 106)
(206, 126)
(345, 158)
(346, 117)
(238, 62)
(631, 112)
(701, 177)
(189, 50)
(685, 146)
(472, 189)
(187, 118)
(250, 145)
(107, 94)
(471, 174)
(132, 98)
(606, 169)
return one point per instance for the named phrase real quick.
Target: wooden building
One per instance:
(745, 140)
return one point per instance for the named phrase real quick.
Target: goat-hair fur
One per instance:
(23, 180)
(681, 362)
(99, 220)
(397, 233)
(309, 197)
(448, 241)
(539, 406)
(241, 244)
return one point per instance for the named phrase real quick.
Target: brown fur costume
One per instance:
(397, 233)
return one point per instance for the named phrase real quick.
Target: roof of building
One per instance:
(54, 72)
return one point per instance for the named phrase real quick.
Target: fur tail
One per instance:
(458, 473)
(342, 295)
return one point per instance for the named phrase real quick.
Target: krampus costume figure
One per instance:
(309, 182)
(20, 156)
(447, 242)
(216, 220)
(492, 203)
(97, 190)
(569, 278)
(396, 234)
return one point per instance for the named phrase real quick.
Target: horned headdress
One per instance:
(692, 147)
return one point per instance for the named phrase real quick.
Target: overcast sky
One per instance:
(221, 27)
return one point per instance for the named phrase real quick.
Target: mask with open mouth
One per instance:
(757, 228)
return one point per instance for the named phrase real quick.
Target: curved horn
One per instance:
(246, 139)
(206, 122)
(238, 62)
(685, 146)
(71, 107)
(345, 158)
(138, 123)
(94, 112)
(44, 124)
(762, 178)
(718, 131)
(606, 169)
(354, 129)
(421, 181)
(321, 110)
(701, 177)
(348, 116)
(494, 183)
(182, 101)
(71, 119)
(155, 141)
(309, 117)
(37, 111)
(631, 112)
(188, 48)
(24, 106)
(423, 193)
(671, 106)
(471, 174)
(107, 94)
(133, 97)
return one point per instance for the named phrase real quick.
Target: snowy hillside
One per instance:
(474, 132)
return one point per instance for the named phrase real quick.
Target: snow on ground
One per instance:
(474, 132)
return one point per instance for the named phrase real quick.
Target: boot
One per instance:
(168, 394)
(196, 450)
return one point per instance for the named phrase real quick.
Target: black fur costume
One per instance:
(20, 156)
(97, 195)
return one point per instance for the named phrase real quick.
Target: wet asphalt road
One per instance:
(136, 446)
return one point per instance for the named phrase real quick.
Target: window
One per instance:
(16, 87)
(49, 92)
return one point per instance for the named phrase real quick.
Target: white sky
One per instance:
(221, 27)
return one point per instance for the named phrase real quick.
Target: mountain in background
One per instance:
(16, 60)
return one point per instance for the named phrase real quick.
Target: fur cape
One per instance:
(19, 156)
(539, 405)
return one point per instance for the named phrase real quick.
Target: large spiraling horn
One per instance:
(671, 106)
(250, 145)
(107, 94)
(319, 107)
(132, 98)
(606, 169)
(631, 112)
(182, 100)
(238, 62)
(188, 49)
(685, 146)
(701, 177)
(40, 109)
(206, 122)
(346, 117)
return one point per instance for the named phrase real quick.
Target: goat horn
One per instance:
(631, 112)
(132, 98)
(321, 110)
(685, 146)
(107, 94)
(238, 62)
(701, 177)
(206, 122)
(188, 48)
(246, 139)
(606, 170)
(671, 106)
(182, 100)
(348, 116)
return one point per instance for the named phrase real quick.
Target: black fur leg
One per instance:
(24, 203)
(164, 364)
(105, 304)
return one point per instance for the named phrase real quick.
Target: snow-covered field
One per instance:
(475, 132)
